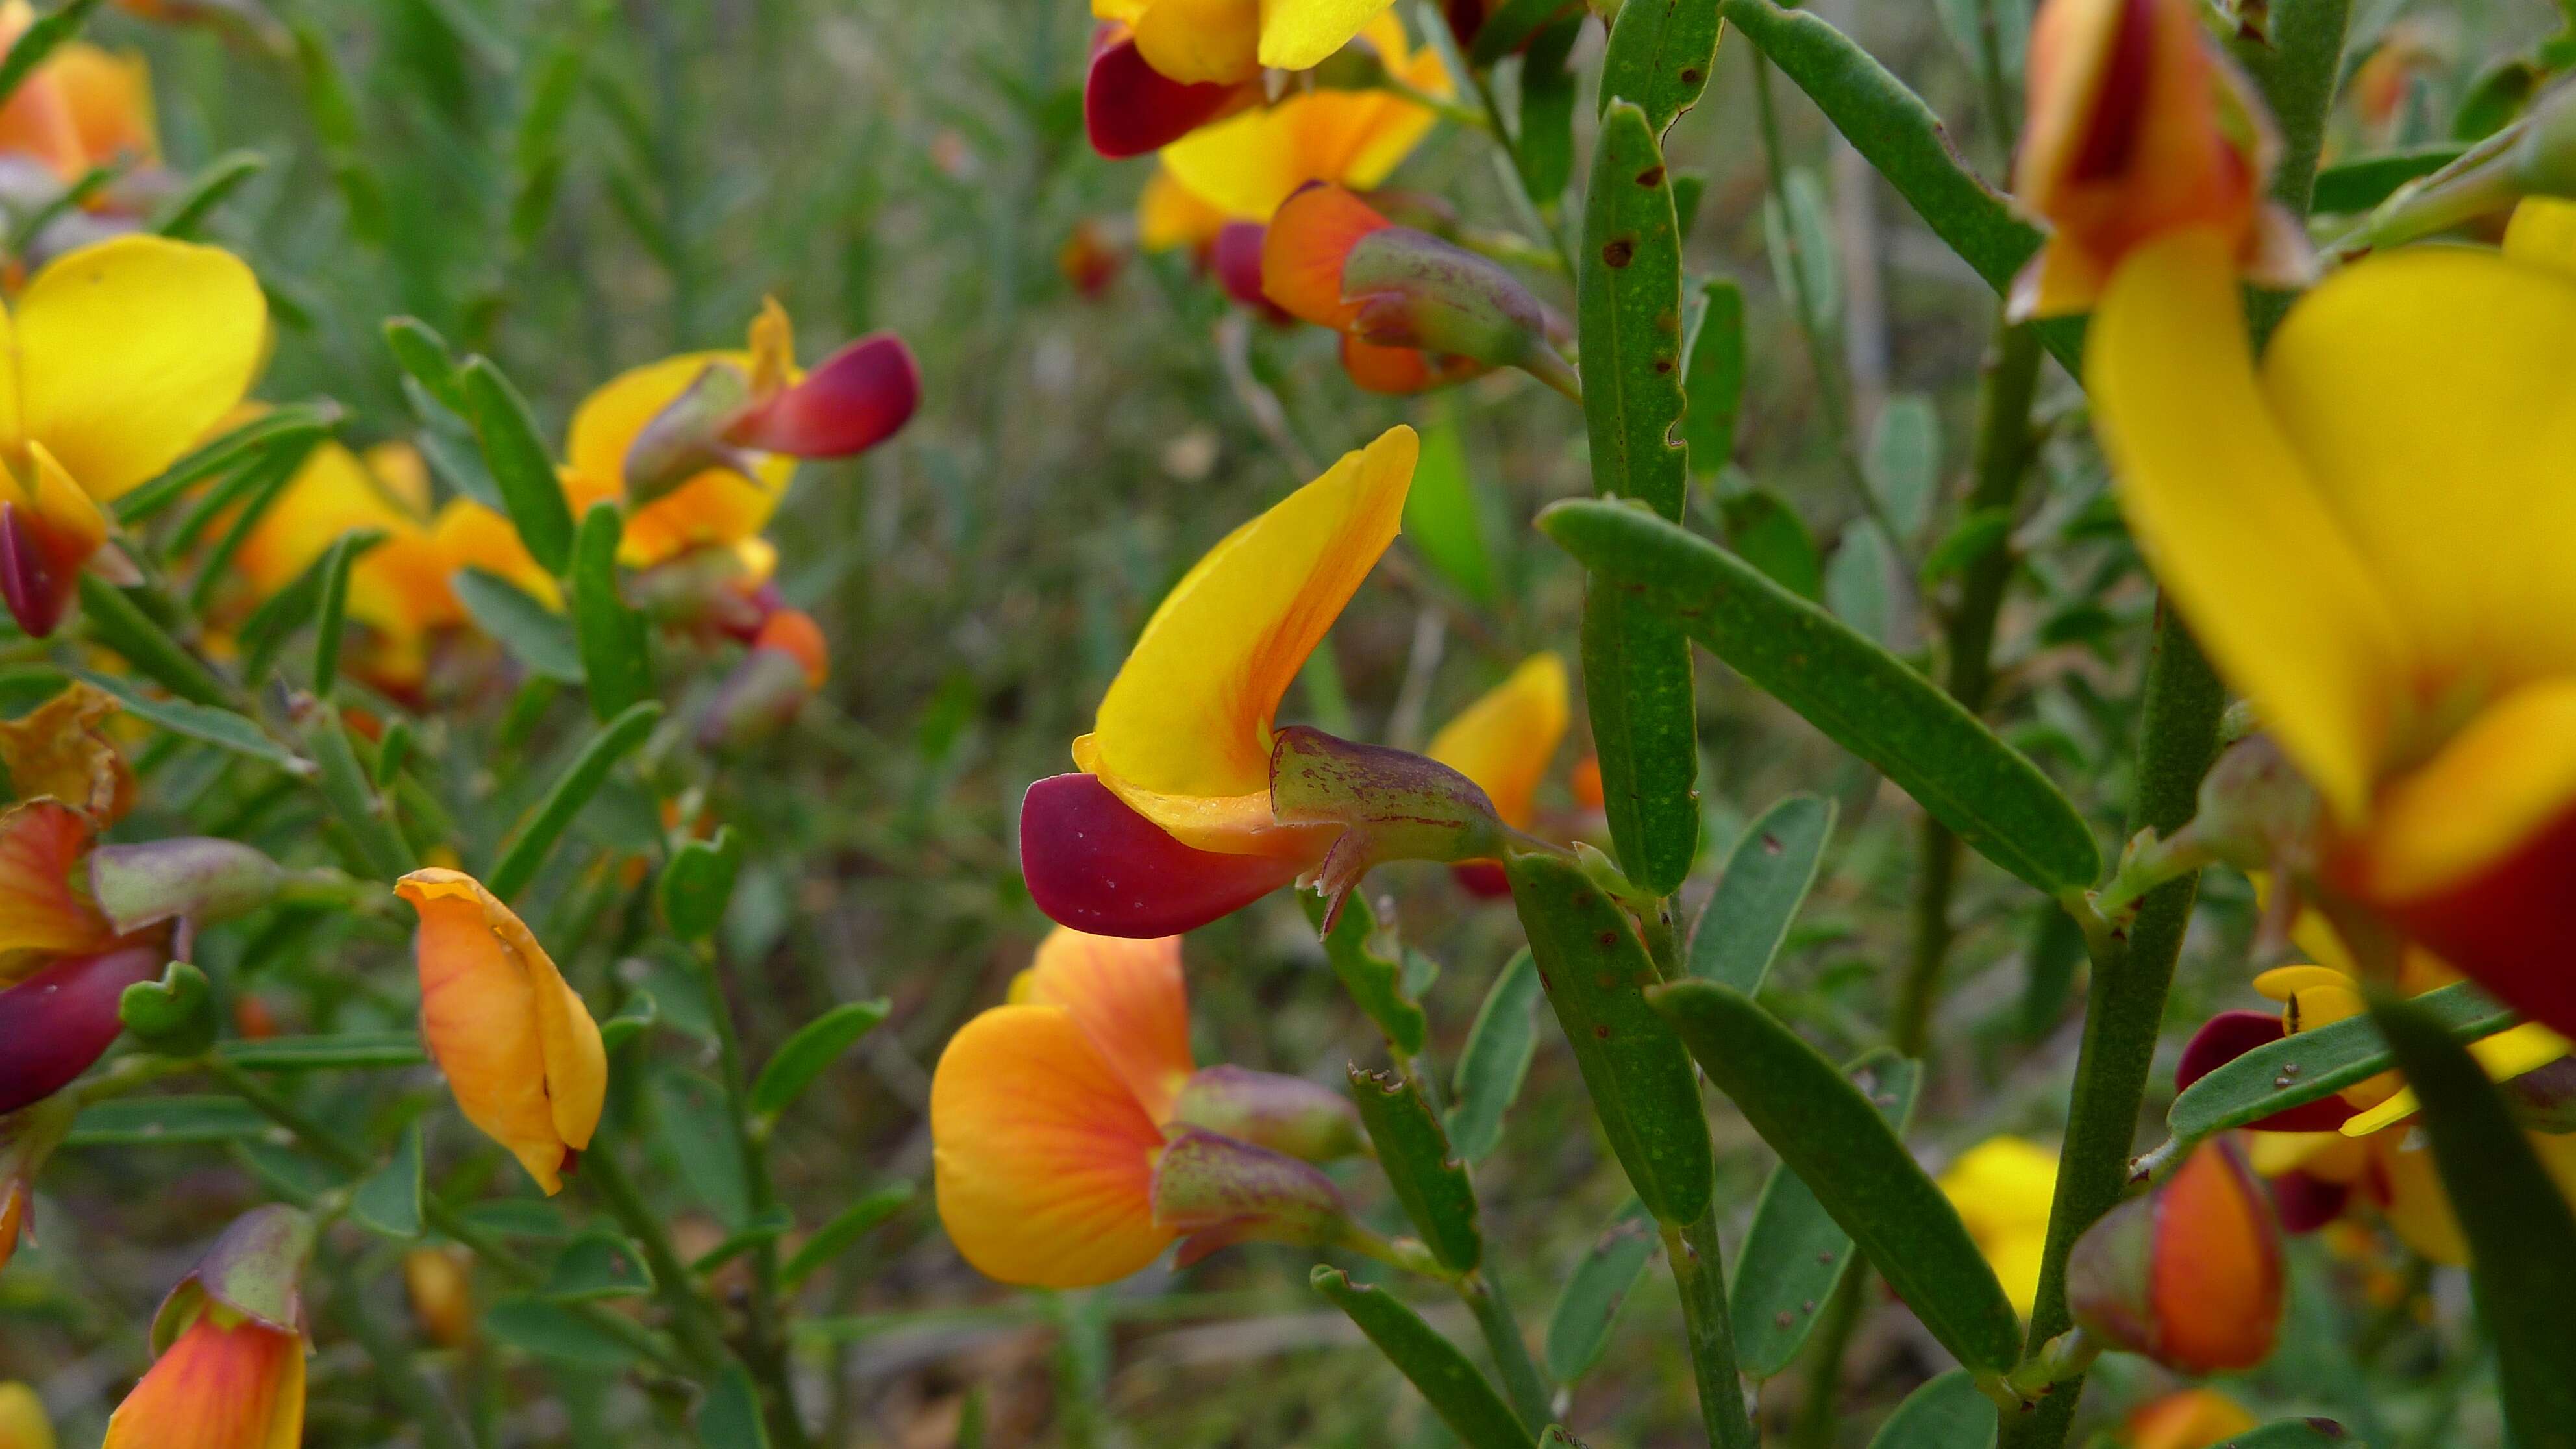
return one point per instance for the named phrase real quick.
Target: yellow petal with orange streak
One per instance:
(1201, 41)
(1183, 735)
(41, 910)
(1170, 215)
(220, 1386)
(1246, 165)
(129, 350)
(1043, 1159)
(2239, 529)
(2543, 233)
(1302, 34)
(1128, 998)
(2431, 392)
(2509, 773)
(2187, 1419)
(1506, 739)
(718, 506)
(519, 1048)
(68, 519)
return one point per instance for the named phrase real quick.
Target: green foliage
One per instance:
(1495, 1059)
(1460, 1395)
(815, 1046)
(1949, 1412)
(1579, 1329)
(1430, 1182)
(2319, 1062)
(1766, 878)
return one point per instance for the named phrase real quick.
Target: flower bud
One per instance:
(442, 1294)
(199, 879)
(686, 437)
(230, 1344)
(57, 1022)
(709, 590)
(2190, 1274)
(1392, 805)
(1217, 1192)
(2188, 1419)
(49, 528)
(27, 1138)
(1268, 1109)
(757, 700)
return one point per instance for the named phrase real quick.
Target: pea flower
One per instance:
(787, 662)
(2189, 1274)
(2139, 126)
(122, 355)
(700, 447)
(1247, 164)
(2186, 1419)
(1161, 69)
(62, 966)
(1170, 825)
(23, 1424)
(1504, 742)
(1170, 216)
(519, 1048)
(1413, 310)
(1073, 1140)
(2002, 1188)
(228, 1371)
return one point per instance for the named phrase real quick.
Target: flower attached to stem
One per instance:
(119, 357)
(787, 662)
(519, 1047)
(1163, 69)
(2189, 1274)
(1074, 1139)
(1504, 742)
(229, 1346)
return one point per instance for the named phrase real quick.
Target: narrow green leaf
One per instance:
(835, 1237)
(1462, 1397)
(1949, 1412)
(389, 1199)
(616, 644)
(1770, 535)
(1374, 979)
(1443, 520)
(185, 216)
(1658, 58)
(1495, 1059)
(522, 467)
(535, 635)
(2349, 188)
(424, 355)
(1505, 29)
(346, 787)
(1713, 388)
(392, 750)
(1579, 1328)
(1799, 237)
(1795, 1254)
(2056, 947)
(519, 1217)
(335, 122)
(1595, 973)
(595, 1266)
(1430, 1183)
(279, 615)
(333, 605)
(1645, 734)
(1899, 135)
(544, 1329)
(264, 481)
(697, 884)
(1904, 462)
(527, 848)
(631, 1020)
(150, 1121)
(1767, 877)
(330, 1052)
(766, 1226)
(816, 1045)
(38, 41)
(729, 1418)
(2319, 1062)
(1977, 533)
(1863, 698)
(118, 622)
(278, 428)
(2521, 1233)
(1546, 150)
(1835, 1139)
(219, 727)
(1689, 187)
(1860, 583)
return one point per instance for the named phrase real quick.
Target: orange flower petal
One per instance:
(1506, 739)
(2216, 1284)
(219, 1387)
(793, 632)
(1128, 998)
(1303, 251)
(1043, 1157)
(41, 911)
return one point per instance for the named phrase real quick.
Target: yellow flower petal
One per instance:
(129, 350)
(1128, 998)
(2416, 1207)
(2281, 983)
(1302, 34)
(1183, 734)
(1042, 1157)
(2002, 1188)
(2543, 232)
(2234, 521)
(2326, 1155)
(60, 749)
(1170, 215)
(2505, 1055)
(718, 506)
(519, 1048)
(2501, 779)
(1201, 41)
(1247, 165)
(1505, 740)
(467, 534)
(23, 1424)
(2431, 392)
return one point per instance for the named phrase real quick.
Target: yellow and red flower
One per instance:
(2190, 1274)
(119, 357)
(229, 1346)
(1164, 69)
(1504, 742)
(519, 1047)
(1066, 1127)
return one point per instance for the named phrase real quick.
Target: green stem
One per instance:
(693, 1318)
(1699, 1271)
(1821, 1411)
(1521, 1380)
(766, 1343)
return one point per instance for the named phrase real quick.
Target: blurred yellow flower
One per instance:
(1507, 738)
(1244, 166)
(2002, 1188)
(23, 1424)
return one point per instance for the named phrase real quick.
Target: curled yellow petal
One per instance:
(1246, 165)
(1302, 34)
(2504, 1056)
(1128, 998)
(1201, 41)
(1183, 734)
(128, 351)
(2505, 776)
(519, 1048)
(2235, 523)
(1505, 740)
(1043, 1159)
(59, 748)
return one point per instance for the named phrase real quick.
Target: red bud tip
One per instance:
(1094, 864)
(36, 581)
(54, 1024)
(853, 400)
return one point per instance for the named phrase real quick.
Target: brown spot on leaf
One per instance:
(1690, 75)
(1603, 1032)
(1651, 176)
(1618, 253)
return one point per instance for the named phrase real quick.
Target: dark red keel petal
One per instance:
(58, 1021)
(2307, 1203)
(1129, 108)
(1096, 865)
(36, 584)
(2231, 1034)
(1482, 878)
(2507, 928)
(853, 400)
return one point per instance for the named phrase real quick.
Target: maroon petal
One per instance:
(58, 1021)
(1236, 260)
(1096, 865)
(2231, 1034)
(852, 400)
(1482, 878)
(1130, 108)
(2307, 1202)
(35, 585)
